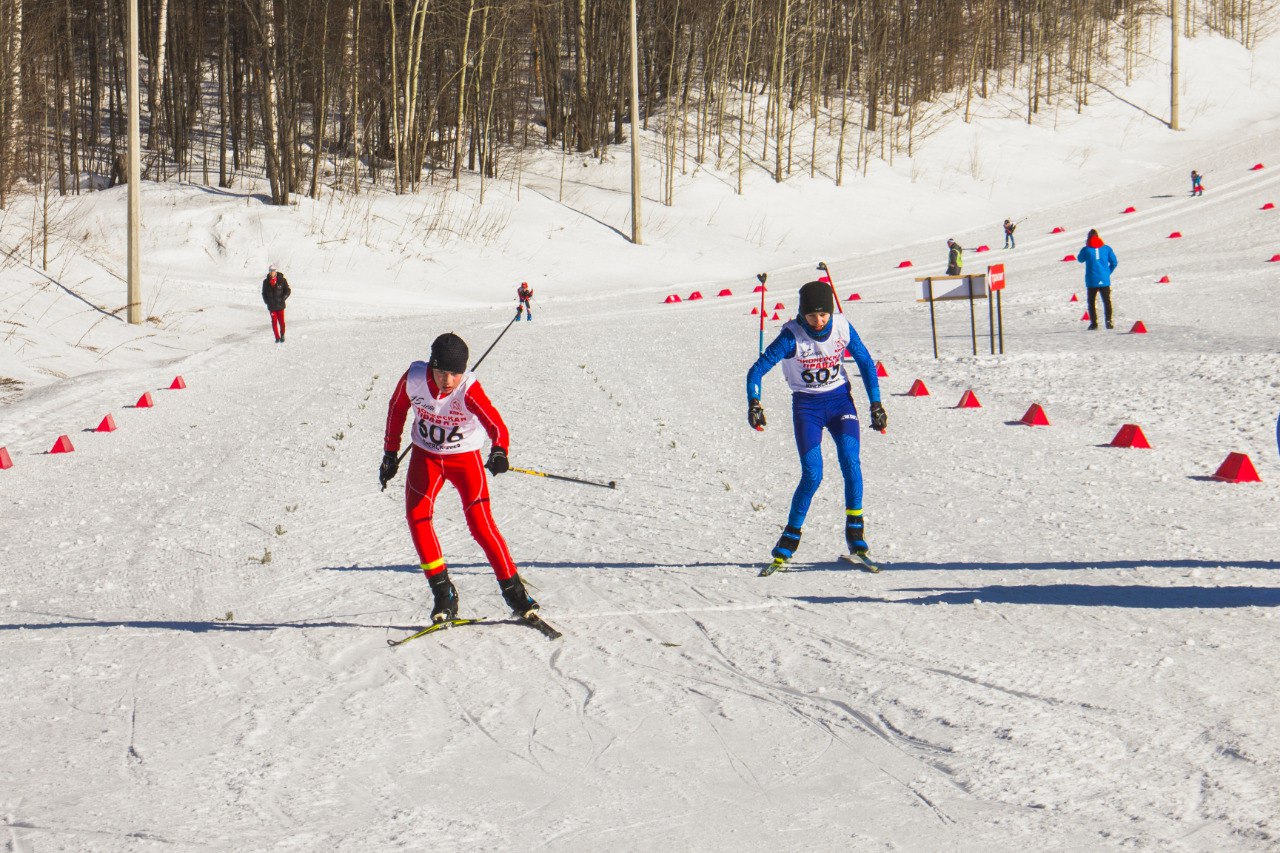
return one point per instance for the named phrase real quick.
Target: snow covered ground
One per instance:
(1071, 646)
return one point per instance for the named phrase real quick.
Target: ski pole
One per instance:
(762, 278)
(405, 452)
(822, 265)
(612, 484)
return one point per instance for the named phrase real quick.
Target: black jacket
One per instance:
(275, 295)
(954, 260)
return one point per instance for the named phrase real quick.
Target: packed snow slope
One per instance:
(1071, 646)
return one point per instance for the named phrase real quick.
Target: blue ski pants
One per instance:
(810, 414)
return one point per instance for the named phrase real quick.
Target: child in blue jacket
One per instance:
(810, 349)
(1099, 261)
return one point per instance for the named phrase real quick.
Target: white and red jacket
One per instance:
(443, 423)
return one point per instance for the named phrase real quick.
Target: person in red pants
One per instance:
(451, 415)
(275, 291)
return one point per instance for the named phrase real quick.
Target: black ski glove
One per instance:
(879, 419)
(387, 470)
(755, 415)
(498, 462)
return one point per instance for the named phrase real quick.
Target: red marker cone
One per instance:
(755, 310)
(1256, 167)
(1164, 279)
(968, 400)
(725, 292)
(905, 264)
(1130, 210)
(1274, 259)
(5, 461)
(1035, 416)
(853, 297)
(1075, 298)
(1237, 468)
(1174, 235)
(1268, 206)
(177, 384)
(1138, 329)
(918, 389)
(1086, 316)
(880, 371)
(62, 445)
(144, 402)
(1058, 229)
(1131, 435)
(775, 316)
(671, 299)
(983, 249)
(697, 294)
(108, 424)
(1066, 258)
(779, 307)
(759, 288)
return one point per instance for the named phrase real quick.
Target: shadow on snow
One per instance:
(1079, 595)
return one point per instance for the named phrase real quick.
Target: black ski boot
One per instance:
(446, 597)
(520, 602)
(855, 532)
(788, 542)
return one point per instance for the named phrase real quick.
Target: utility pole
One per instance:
(1174, 72)
(635, 134)
(135, 171)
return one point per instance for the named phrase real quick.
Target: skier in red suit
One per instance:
(452, 414)
(524, 292)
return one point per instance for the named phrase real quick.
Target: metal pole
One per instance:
(933, 323)
(135, 173)
(1000, 318)
(973, 322)
(991, 320)
(635, 134)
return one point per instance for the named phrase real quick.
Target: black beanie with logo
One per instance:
(449, 353)
(817, 296)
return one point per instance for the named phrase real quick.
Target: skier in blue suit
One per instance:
(1099, 261)
(811, 349)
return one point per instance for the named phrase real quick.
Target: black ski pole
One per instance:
(403, 453)
(612, 484)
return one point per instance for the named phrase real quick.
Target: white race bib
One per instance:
(442, 425)
(818, 365)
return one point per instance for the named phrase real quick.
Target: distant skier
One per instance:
(451, 415)
(810, 349)
(1197, 187)
(955, 257)
(524, 292)
(1099, 261)
(275, 292)
(1009, 227)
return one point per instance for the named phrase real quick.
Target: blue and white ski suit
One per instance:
(821, 398)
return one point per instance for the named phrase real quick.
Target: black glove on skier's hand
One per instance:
(387, 470)
(755, 415)
(498, 462)
(879, 419)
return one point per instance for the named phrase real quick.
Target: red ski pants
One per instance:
(464, 471)
(277, 324)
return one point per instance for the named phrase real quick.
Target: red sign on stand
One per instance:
(995, 277)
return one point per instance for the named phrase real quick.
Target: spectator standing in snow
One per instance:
(524, 292)
(1099, 261)
(275, 292)
(955, 257)
(1197, 187)
(810, 349)
(451, 416)
(1009, 226)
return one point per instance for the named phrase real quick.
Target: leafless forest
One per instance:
(399, 93)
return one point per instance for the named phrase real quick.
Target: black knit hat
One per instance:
(449, 353)
(817, 296)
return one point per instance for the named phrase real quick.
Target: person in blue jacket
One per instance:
(1197, 183)
(811, 349)
(1099, 261)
